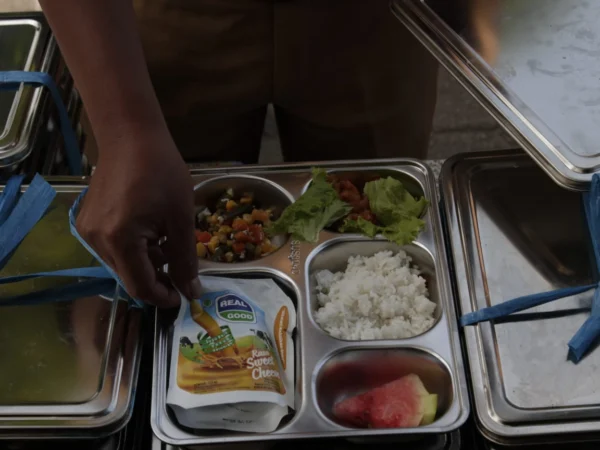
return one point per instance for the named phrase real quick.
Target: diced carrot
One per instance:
(260, 215)
(230, 205)
(239, 224)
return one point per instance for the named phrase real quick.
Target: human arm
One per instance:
(141, 190)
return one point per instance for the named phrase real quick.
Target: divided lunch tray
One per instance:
(328, 369)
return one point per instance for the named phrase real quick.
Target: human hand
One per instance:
(141, 192)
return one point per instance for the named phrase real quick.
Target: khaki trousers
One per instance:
(347, 80)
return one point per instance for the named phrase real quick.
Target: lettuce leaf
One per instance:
(396, 210)
(317, 208)
(391, 202)
(402, 233)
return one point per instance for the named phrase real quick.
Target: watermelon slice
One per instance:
(402, 403)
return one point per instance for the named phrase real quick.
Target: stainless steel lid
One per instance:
(23, 46)
(69, 368)
(535, 65)
(514, 232)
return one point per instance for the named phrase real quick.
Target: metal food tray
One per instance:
(449, 441)
(514, 232)
(99, 345)
(325, 364)
(533, 65)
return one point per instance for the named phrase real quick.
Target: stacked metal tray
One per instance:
(325, 366)
(29, 137)
(514, 232)
(69, 367)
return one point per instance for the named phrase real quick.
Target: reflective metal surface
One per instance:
(23, 45)
(533, 64)
(435, 354)
(450, 441)
(514, 232)
(69, 367)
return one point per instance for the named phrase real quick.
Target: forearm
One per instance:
(102, 48)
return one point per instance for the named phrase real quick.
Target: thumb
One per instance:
(180, 252)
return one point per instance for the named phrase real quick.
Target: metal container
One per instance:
(29, 138)
(513, 232)
(450, 441)
(69, 368)
(321, 359)
(532, 64)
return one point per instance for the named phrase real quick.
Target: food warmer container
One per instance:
(30, 140)
(534, 65)
(321, 359)
(512, 231)
(70, 364)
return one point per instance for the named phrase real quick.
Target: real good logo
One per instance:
(233, 308)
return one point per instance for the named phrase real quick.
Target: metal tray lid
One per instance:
(23, 46)
(68, 367)
(508, 239)
(534, 65)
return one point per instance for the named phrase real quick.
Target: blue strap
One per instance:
(520, 304)
(21, 215)
(9, 196)
(14, 79)
(589, 332)
(26, 213)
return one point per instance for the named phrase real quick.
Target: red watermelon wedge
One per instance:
(402, 403)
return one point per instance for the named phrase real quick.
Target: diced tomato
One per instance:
(256, 233)
(240, 236)
(239, 224)
(203, 236)
(238, 247)
(350, 196)
(368, 215)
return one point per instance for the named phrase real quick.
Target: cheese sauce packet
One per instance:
(232, 361)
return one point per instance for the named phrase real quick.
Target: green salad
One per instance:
(382, 207)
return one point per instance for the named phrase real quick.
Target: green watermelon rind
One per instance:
(412, 388)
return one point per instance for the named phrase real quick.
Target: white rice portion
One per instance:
(377, 297)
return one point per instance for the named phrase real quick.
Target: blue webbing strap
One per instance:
(14, 79)
(9, 196)
(22, 213)
(589, 332)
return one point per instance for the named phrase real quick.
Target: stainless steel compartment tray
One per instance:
(439, 346)
(514, 232)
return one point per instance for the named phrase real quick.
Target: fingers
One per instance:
(136, 261)
(180, 251)
(142, 280)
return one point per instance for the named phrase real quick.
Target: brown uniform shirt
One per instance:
(346, 78)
